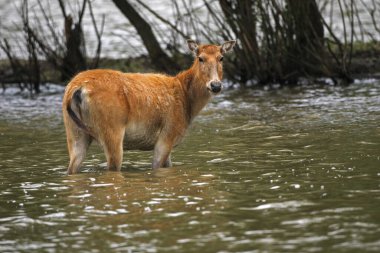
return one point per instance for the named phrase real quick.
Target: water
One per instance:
(261, 170)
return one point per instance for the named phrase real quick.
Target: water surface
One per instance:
(276, 170)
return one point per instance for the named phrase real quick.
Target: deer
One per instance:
(139, 111)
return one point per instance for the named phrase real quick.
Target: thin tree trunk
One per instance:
(308, 30)
(159, 58)
(75, 58)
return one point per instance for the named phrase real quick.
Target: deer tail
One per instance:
(76, 102)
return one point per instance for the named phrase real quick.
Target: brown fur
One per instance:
(136, 111)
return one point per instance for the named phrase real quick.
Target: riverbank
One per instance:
(366, 60)
(365, 64)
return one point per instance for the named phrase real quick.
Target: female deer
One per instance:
(139, 111)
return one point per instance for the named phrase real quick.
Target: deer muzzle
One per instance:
(216, 86)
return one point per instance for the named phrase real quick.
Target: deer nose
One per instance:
(216, 86)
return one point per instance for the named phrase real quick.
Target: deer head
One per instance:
(208, 64)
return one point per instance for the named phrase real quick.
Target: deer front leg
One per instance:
(161, 157)
(168, 162)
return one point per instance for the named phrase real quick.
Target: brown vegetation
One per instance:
(278, 41)
(64, 52)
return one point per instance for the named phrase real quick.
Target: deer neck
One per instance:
(196, 93)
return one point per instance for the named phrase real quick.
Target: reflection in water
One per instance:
(162, 190)
(291, 170)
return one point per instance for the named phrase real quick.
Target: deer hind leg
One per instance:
(77, 143)
(113, 149)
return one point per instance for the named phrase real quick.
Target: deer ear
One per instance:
(193, 46)
(227, 46)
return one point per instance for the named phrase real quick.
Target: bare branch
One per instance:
(99, 35)
(163, 20)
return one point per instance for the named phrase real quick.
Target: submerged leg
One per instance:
(161, 157)
(168, 162)
(113, 148)
(77, 143)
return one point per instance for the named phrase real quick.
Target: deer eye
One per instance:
(221, 58)
(201, 59)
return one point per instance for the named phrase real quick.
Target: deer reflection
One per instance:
(138, 197)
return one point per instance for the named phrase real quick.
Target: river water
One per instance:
(261, 170)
